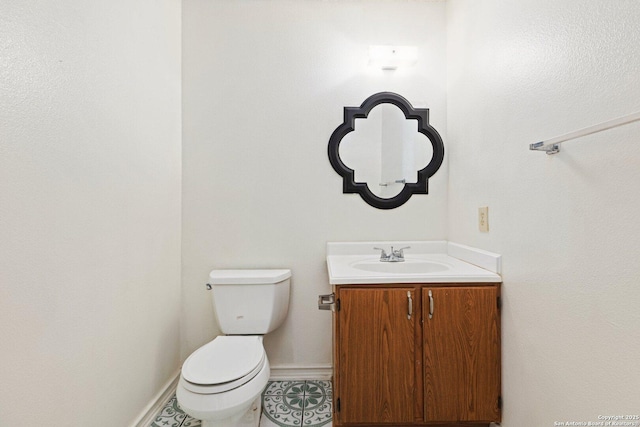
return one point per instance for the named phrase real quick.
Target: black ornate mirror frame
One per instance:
(349, 183)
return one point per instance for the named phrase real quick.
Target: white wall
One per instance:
(520, 72)
(89, 209)
(264, 86)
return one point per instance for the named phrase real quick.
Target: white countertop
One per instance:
(425, 262)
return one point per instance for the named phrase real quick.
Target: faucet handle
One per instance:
(400, 252)
(383, 253)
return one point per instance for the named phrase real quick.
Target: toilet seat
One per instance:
(223, 364)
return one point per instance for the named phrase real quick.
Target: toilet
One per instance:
(221, 382)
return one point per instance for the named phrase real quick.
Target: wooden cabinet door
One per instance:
(375, 366)
(461, 350)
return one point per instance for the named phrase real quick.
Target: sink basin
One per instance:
(409, 266)
(357, 263)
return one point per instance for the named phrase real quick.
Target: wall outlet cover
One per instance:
(483, 219)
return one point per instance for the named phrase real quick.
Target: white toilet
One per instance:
(221, 382)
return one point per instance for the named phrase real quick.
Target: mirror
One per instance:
(385, 150)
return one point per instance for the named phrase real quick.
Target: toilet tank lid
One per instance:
(248, 277)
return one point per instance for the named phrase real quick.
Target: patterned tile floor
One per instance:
(297, 403)
(284, 404)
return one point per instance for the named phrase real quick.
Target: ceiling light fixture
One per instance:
(392, 57)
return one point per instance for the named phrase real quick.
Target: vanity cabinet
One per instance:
(417, 354)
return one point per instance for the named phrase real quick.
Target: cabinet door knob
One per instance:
(410, 305)
(430, 304)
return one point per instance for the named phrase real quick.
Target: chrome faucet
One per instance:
(395, 255)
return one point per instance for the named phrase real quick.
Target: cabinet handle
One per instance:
(430, 304)
(410, 302)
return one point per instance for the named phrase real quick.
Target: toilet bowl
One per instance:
(221, 382)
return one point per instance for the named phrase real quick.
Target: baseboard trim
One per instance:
(301, 372)
(155, 405)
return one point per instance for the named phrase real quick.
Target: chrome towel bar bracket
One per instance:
(549, 149)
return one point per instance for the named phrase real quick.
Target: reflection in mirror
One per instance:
(385, 150)
(389, 154)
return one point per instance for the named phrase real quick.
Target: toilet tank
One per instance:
(250, 302)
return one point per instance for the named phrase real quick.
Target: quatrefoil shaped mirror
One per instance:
(385, 150)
